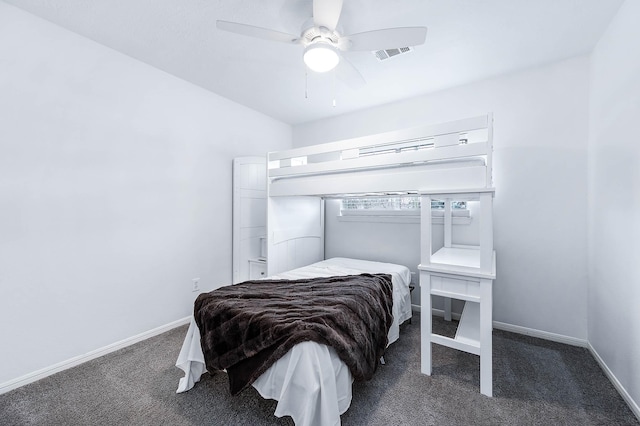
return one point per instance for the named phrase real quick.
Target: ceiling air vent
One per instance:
(390, 53)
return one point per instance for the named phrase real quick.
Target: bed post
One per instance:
(486, 232)
(486, 338)
(425, 284)
(425, 230)
(425, 324)
(489, 160)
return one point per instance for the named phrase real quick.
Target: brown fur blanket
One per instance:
(246, 327)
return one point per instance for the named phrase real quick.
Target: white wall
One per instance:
(614, 189)
(540, 175)
(115, 191)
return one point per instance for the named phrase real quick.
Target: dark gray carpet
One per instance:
(536, 382)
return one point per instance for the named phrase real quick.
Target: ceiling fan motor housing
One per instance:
(317, 34)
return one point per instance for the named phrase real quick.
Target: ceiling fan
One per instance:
(323, 44)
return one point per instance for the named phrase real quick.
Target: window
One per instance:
(397, 209)
(385, 204)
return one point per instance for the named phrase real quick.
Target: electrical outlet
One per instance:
(196, 284)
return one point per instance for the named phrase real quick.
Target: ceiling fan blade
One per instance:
(326, 13)
(347, 73)
(389, 38)
(257, 32)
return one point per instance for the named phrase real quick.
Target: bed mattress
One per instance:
(311, 383)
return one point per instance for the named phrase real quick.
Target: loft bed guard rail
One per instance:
(451, 155)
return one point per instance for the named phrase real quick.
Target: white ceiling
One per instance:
(468, 40)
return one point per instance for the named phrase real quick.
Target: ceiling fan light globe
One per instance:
(321, 57)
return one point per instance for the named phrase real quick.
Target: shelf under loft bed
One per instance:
(460, 259)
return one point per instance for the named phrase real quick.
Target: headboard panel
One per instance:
(295, 234)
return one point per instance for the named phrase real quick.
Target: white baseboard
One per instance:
(560, 338)
(633, 405)
(72, 362)
(516, 329)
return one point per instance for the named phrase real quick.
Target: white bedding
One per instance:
(310, 383)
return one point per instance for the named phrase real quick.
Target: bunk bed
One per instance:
(448, 161)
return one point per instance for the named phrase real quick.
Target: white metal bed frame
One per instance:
(425, 161)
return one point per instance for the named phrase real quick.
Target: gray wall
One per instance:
(614, 195)
(115, 191)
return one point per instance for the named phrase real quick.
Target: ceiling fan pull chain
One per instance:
(306, 84)
(333, 86)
